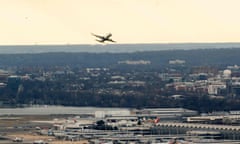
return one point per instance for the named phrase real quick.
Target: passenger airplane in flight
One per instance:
(102, 39)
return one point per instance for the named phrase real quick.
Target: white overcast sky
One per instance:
(130, 21)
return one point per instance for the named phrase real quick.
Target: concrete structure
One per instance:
(165, 113)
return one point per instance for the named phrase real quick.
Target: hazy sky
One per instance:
(130, 21)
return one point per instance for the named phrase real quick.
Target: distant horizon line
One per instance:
(113, 48)
(74, 44)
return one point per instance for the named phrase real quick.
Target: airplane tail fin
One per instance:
(157, 120)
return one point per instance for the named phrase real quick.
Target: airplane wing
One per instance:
(101, 41)
(98, 36)
(108, 36)
(111, 40)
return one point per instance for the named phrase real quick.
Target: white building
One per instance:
(112, 113)
(214, 88)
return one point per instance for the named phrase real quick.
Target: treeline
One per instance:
(47, 93)
(157, 58)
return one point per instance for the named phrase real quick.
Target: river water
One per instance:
(52, 110)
